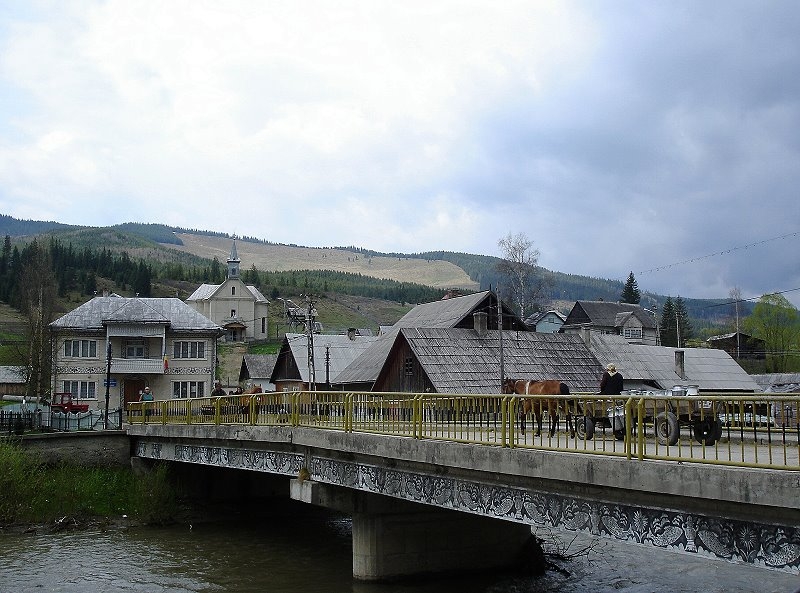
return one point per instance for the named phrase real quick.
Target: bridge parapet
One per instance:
(737, 513)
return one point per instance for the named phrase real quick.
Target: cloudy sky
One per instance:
(661, 138)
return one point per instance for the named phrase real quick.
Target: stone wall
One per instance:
(89, 449)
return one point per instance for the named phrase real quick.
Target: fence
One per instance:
(752, 430)
(45, 419)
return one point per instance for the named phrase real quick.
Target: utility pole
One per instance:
(500, 334)
(312, 378)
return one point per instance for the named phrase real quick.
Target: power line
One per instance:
(751, 298)
(731, 250)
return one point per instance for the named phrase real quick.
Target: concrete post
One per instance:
(394, 539)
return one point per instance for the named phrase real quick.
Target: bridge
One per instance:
(441, 482)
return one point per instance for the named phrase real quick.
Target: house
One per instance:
(662, 367)
(740, 345)
(547, 322)
(634, 323)
(331, 354)
(460, 360)
(257, 369)
(158, 342)
(241, 310)
(448, 313)
(12, 380)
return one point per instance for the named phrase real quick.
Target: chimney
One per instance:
(481, 323)
(351, 333)
(586, 334)
(680, 363)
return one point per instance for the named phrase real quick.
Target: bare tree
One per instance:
(525, 281)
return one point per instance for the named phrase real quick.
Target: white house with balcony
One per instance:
(161, 343)
(241, 310)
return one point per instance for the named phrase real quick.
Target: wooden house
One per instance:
(449, 313)
(740, 345)
(632, 322)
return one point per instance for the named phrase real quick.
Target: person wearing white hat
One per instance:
(612, 382)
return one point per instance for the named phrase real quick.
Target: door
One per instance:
(133, 389)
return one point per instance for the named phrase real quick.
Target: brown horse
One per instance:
(551, 387)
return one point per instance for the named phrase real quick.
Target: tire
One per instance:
(619, 435)
(707, 432)
(667, 429)
(584, 428)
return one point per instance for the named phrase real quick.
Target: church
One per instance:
(241, 310)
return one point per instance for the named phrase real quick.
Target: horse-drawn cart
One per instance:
(667, 411)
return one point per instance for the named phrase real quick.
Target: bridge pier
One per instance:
(395, 539)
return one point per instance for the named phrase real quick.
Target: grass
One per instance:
(35, 493)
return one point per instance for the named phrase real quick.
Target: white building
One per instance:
(241, 310)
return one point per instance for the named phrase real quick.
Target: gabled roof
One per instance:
(463, 361)
(708, 368)
(257, 366)
(101, 311)
(332, 354)
(537, 317)
(778, 382)
(445, 313)
(605, 314)
(206, 291)
(12, 374)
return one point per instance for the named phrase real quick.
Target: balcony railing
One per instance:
(138, 365)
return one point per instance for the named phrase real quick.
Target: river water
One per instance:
(310, 551)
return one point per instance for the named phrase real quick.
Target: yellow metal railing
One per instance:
(753, 430)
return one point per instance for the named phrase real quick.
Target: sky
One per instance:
(659, 138)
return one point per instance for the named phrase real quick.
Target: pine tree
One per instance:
(631, 294)
(669, 335)
(686, 331)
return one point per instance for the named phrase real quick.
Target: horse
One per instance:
(550, 387)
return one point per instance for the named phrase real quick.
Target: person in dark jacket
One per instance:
(611, 382)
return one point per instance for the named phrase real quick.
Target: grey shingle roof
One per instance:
(12, 374)
(101, 311)
(461, 361)
(709, 368)
(445, 313)
(604, 314)
(778, 382)
(206, 291)
(257, 366)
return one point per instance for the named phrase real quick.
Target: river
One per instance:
(302, 550)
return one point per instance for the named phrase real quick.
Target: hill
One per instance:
(176, 250)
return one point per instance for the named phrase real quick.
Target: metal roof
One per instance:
(206, 291)
(462, 361)
(778, 382)
(103, 310)
(708, 368)
(340, 350)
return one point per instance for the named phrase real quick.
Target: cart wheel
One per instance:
(584, 428)
(667, 429)
(707, 431)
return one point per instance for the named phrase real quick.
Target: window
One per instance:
(263, 325)
(633, 332)
(233, 291)
(184, 389)
(181, 349)
(408, 366)
(81, 389)
(233, 312)
(82, 348)
(134, 348)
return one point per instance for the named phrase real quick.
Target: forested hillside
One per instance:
(153, 259)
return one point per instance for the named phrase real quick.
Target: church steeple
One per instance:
(233, 262)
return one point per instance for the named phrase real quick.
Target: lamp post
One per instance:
(108, 383)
